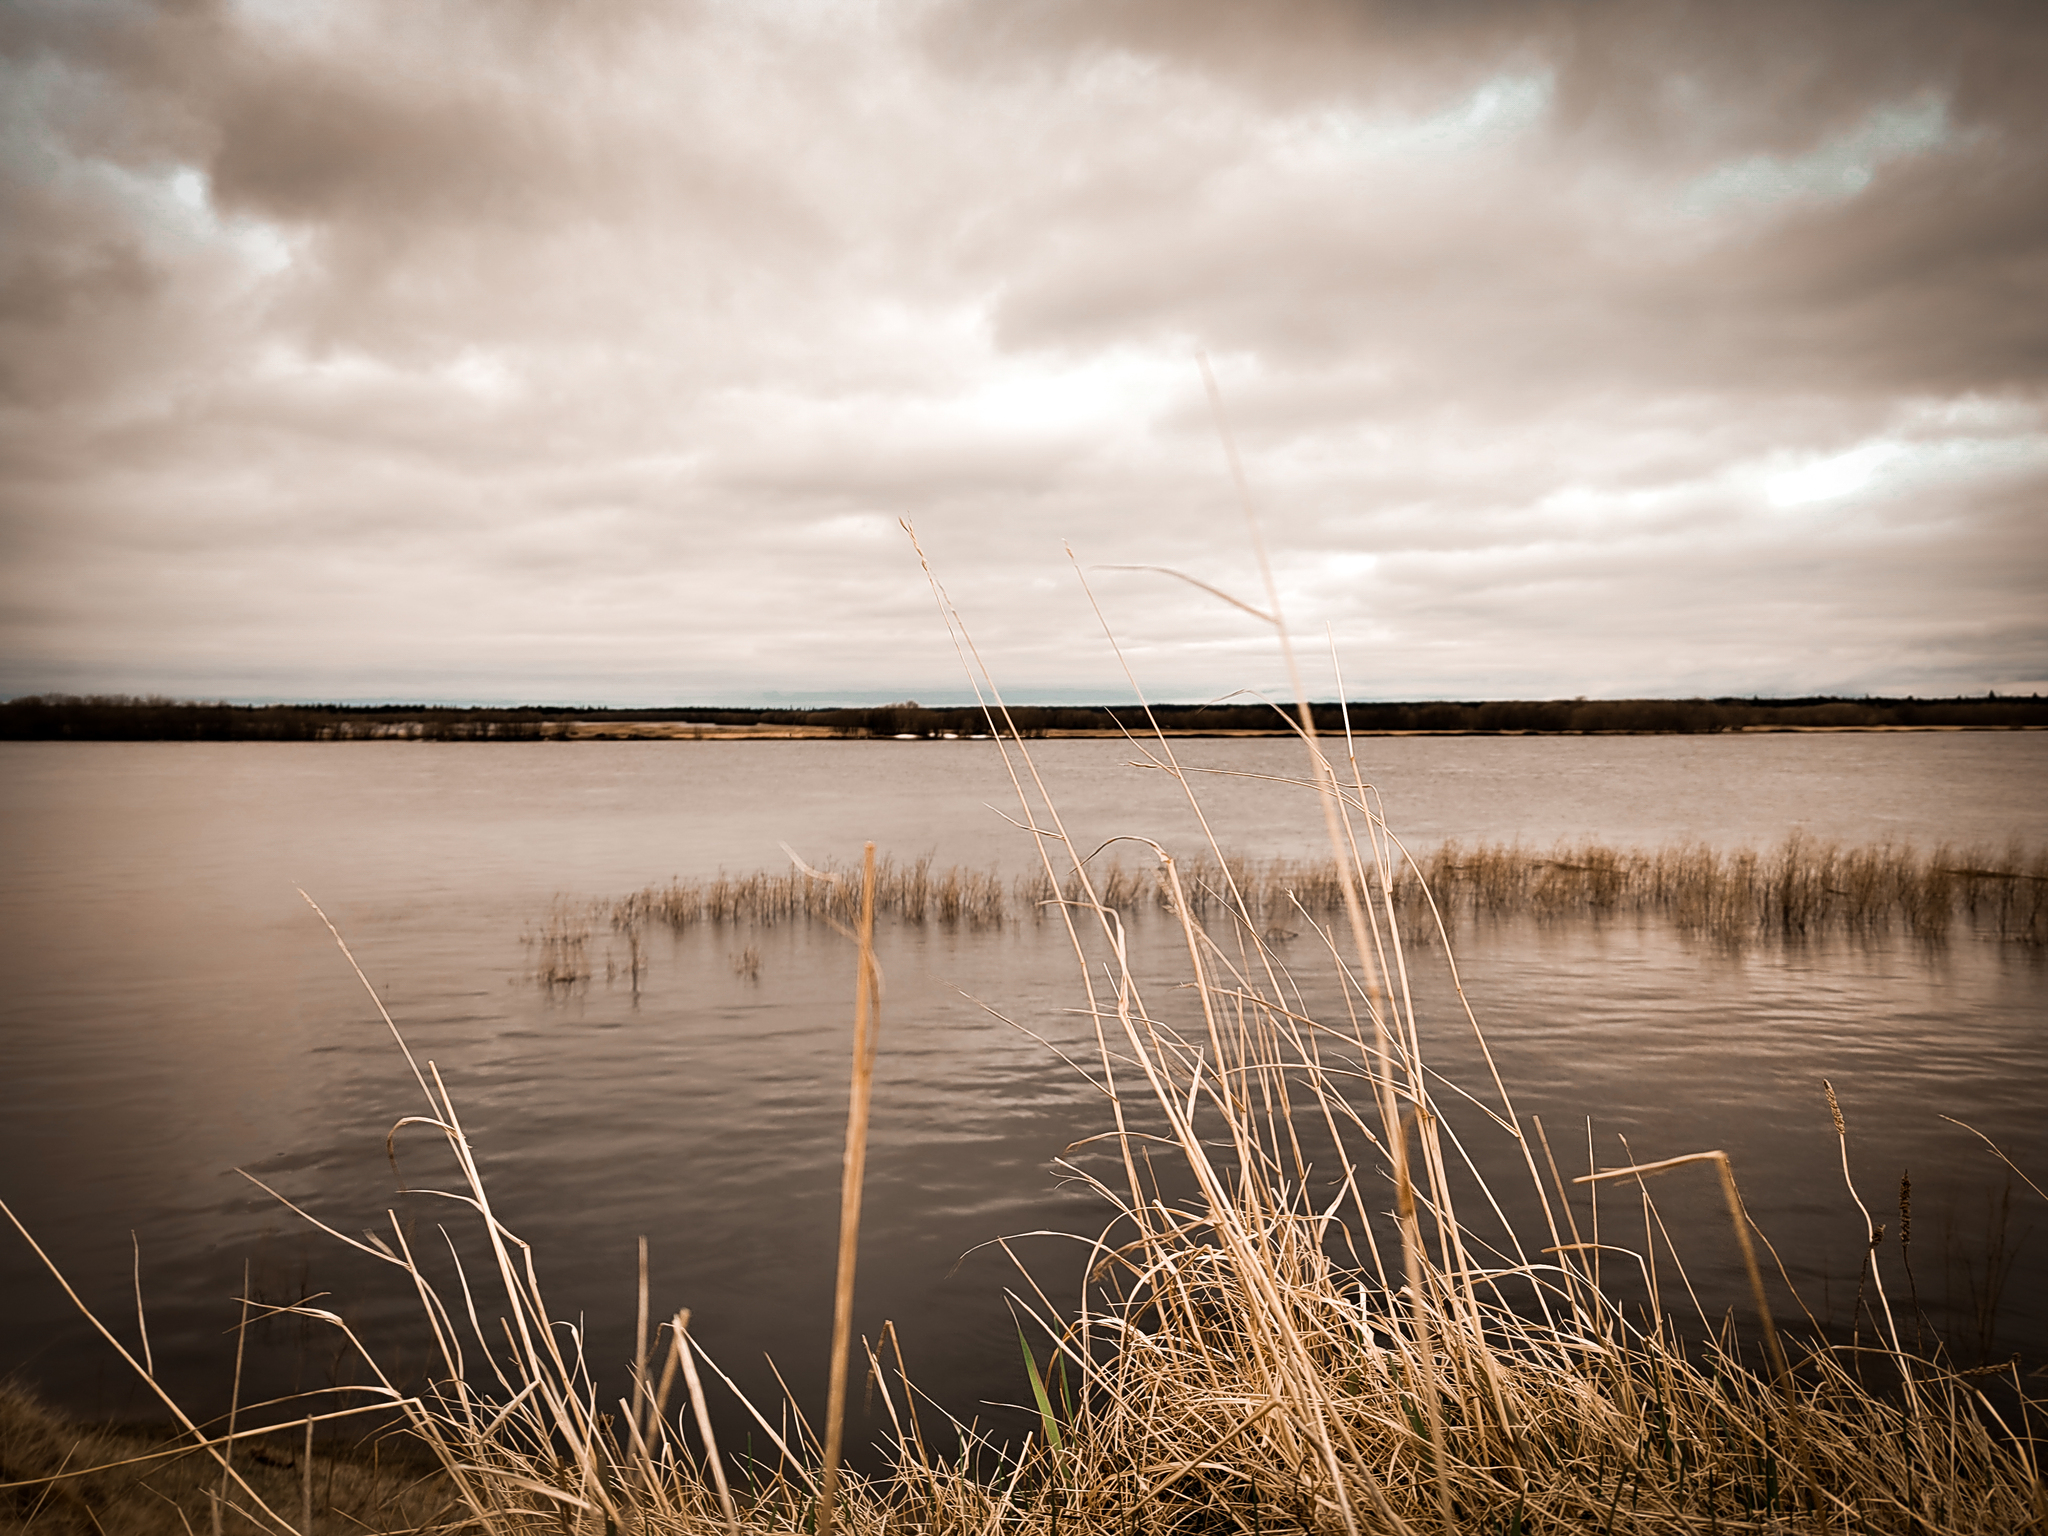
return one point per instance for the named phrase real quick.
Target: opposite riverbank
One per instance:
(51, 717)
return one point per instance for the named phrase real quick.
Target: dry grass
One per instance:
(1262, 1361)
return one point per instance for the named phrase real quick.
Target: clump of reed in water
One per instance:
(1804, 888)
(560, 947)
(913, 891)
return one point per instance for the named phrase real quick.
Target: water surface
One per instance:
(175, 1012)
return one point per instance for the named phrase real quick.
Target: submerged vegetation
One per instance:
(1803, 888)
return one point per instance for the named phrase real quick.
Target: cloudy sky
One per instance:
(591, 350)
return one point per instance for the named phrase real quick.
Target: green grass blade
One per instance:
(1045, 1416)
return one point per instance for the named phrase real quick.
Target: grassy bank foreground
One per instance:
(1286, 1322)
(67, 1479)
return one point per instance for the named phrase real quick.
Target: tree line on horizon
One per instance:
(48, 717)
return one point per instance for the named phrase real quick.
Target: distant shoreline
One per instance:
(66, 718)
(601, 731)
(684, 731)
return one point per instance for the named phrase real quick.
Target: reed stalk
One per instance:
(866, 1030)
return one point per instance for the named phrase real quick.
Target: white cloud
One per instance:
(1891, 466)
(1832, 171)
(1830, 478)
(1340, 139)
(490, 375)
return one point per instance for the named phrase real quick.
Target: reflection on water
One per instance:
(177, 1013)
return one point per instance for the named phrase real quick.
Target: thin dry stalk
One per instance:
(686, 1353)
(866, 1028)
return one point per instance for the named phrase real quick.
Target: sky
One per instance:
(597, 351)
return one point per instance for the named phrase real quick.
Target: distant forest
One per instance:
(62, 717)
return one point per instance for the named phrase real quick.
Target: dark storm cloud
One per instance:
(1684, 80)
(1929, 279)
(517, 350)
